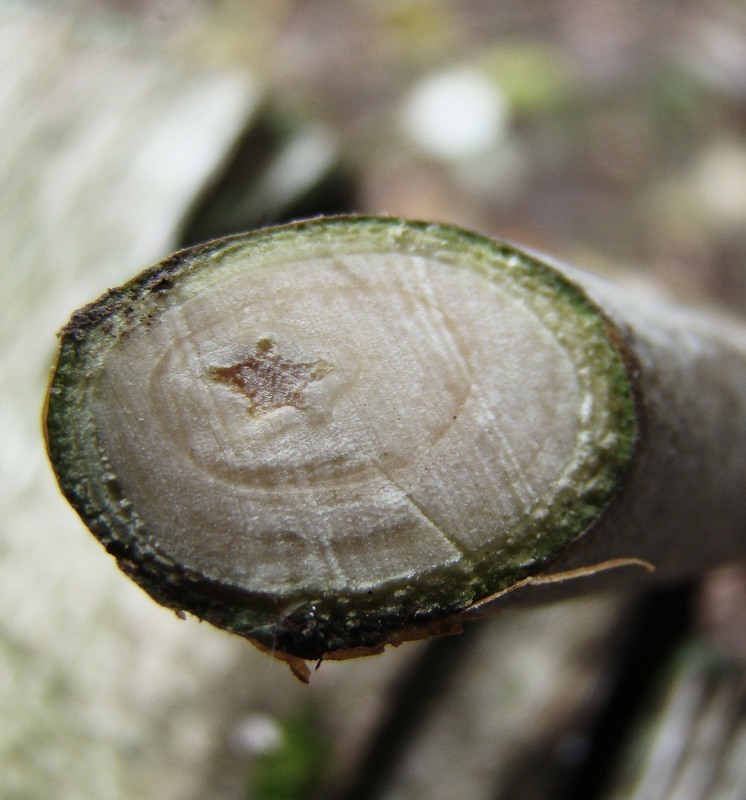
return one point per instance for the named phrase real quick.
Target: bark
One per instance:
(681, 508)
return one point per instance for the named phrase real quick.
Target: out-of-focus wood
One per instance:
(514, 718)
(691, 745)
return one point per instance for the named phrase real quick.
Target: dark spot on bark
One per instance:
(163, 284)
(114, 489)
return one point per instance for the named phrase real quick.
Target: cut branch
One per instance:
(342, 433)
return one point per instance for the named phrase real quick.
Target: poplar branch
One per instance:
(343, 433)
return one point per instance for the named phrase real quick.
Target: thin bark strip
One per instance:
(342, 433)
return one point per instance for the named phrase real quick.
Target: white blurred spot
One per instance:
(303, 162)
(721, 182)
(257, 735)
(455, 114)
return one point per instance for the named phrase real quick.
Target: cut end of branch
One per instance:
(339, 433)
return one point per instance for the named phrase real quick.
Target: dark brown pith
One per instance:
(269, 380)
